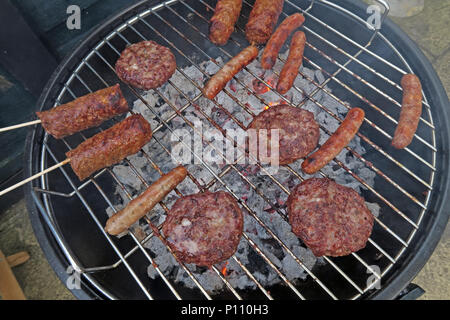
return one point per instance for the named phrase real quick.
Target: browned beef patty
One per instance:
(298, 131)
(204, 228)
(331, 219)
(146, 65)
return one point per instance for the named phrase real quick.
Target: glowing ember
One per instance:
(260, 87)
(233, 85)
(271, 104)
(224, 269)
(246, 182)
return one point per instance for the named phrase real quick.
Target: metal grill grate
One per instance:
(403, 185)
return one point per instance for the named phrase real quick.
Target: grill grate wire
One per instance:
(169, 7)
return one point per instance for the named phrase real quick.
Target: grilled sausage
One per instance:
(85, 112)
(222, 22)
(110, 146)
(278, 38)
(236, 64)
(140, 206)
(335, 143)
(410, 113)
(263, 18)
(293, 63)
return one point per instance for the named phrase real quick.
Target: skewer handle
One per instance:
(20, 125)
(37, 175)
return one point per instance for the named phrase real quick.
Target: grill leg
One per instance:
(411, 292)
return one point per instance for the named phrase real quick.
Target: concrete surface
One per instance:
(36, 278)
(430, 30)
(428, 26)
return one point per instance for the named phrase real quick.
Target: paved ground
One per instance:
(430, 30)
(429, 27)
(35, 276)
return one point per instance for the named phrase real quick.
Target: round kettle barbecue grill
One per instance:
(362, 66)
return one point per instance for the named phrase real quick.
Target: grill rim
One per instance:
(435, 222)
(416, 260)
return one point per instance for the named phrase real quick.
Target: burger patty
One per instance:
(331, 219)
(146, 65)
(204, 228)
(298, 131)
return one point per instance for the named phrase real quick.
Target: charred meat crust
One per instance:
(410, 113)
(110, 146)
(331, 219)
(262, 20)
(226, 73)
(84, 112)
(141, 205)
(278, 38)
(299, 132)
(146, 65)
(335, 143)
(204, 228)
(222, 22)
(290, 69)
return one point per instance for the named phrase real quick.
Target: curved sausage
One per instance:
(293, 63)
(110, 146)
(140, 206)
(278, 38)
(222, 22)
(335, 143)
(84, 112)
(410, 113)
(236, 64)
(263, 18)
